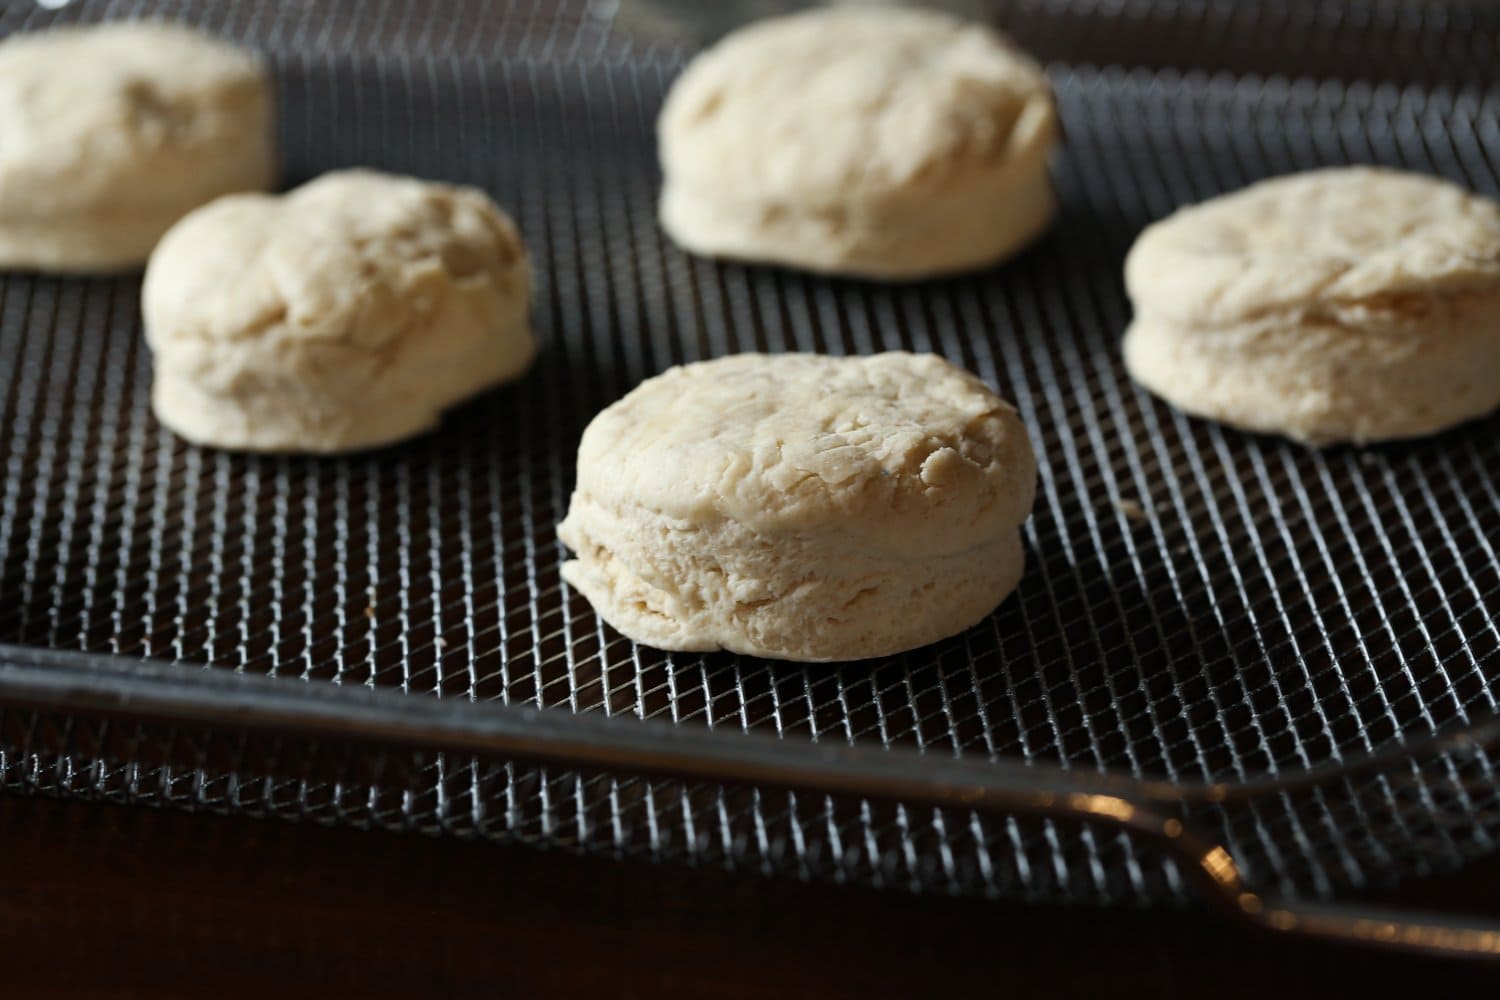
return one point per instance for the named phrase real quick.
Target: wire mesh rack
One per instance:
(1232, 661)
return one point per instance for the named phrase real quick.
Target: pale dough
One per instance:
(345, 314)
(111, 133)
(1348, 304)
(885, 143)
(801, 507)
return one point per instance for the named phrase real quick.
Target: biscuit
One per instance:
(346, 314)
(111, 133)
(800, 507)
(1349, 304)
(889, 144)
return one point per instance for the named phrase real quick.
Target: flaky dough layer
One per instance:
(886, 143)
(111, 133)
(1350, 304)
(800, 506)
(346, 314)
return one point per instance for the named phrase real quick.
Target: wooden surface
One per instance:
(104, 900)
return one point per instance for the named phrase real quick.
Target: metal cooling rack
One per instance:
(1234, 664)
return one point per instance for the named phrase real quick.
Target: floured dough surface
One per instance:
(801, 506)
(859, 141)
(345, 314)
(111, 133)
(1347, 304)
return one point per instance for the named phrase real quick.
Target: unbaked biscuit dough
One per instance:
(346, 314)
(111, 133)
(1348, 304)
(801, 507)
(886, 144)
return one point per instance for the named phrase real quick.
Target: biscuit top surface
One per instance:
(354, 256)
(88, 113)
(831, 103)
(904, 452)
(1359, 236)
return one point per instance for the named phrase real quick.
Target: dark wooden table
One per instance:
(104, 900)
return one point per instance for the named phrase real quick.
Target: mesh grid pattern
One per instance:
(1269, 607)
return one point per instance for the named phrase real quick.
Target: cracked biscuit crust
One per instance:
(801, 507)
(1348, 304)
(346, 314)
(110, 133)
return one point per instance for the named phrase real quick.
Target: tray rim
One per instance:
(112, 685)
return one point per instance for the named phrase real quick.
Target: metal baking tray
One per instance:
(1236, 669)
